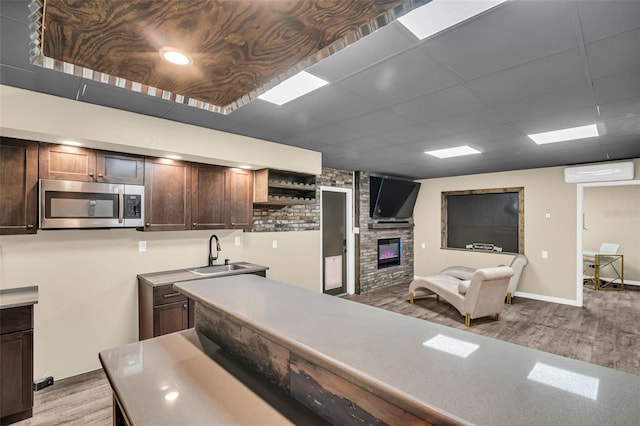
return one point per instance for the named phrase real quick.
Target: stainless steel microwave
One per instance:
(70, 204)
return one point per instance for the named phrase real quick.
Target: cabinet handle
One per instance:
(91, 174)
(184, 306)
(100, 175)
(168, 295)
(195, 224)
(148, 224)
(30, 226)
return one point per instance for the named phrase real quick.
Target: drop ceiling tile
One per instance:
(251, 111)
(564, 120)
(543, 75)
(115, 97)
(376, 46)
(407, 76)
(16, 10)
(444, 103)
(622, 109)
(412, 134)
(256, 131)
(617, 88)
(545, 104)
(515, 33)
(14, 43)
(331, 133)
(624, 125)
(334, 102)
(288, 121)
(478, 119)
(600, 19)
(614, 55)
(377, 122)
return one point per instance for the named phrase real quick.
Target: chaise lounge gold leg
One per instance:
(411, 298)
(467, 320)
(497, 317)
(508, 298)
(437, 297)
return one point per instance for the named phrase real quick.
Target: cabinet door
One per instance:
(167, 195)
(16, 370)
(119, 168)
(18, 186)
(67, 162)
(209, 205)
(240, 198)
(170, 318)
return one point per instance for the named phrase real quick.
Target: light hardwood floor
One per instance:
(605, 331)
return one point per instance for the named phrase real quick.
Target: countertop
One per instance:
(185, 379)
(20, 296)
(494, 383)
(169, 277)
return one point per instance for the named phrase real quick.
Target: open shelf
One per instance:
(277, 187)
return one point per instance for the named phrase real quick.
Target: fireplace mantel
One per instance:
(396, 225)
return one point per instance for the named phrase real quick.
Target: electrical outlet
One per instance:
(142, 246)
(237, 240)
(545, 254)
(274, 244)
(423, 245)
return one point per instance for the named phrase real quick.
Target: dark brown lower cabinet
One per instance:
(16, 364)
(170, 318)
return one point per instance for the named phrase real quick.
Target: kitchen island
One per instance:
(353, 363)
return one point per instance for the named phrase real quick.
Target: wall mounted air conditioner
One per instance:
(599, 172)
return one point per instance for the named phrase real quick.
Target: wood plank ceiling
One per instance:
(239, 48)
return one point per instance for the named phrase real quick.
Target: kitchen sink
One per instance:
(220, 269)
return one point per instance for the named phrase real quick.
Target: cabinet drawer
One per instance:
(167, 294)
(16, 319)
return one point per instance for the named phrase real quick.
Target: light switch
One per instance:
(237, 240)
(423, 245)
(547, 214)
(142, 246)
(545, 254)
(274, 244)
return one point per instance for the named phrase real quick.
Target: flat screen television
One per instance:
(392, 198)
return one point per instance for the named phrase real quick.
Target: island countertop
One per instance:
(466, 377)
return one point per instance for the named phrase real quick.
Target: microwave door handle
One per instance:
(120, 205)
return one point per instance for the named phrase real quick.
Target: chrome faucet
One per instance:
(218, 249)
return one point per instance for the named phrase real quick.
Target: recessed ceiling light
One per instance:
(438, 15)
(562, 135)
(72, 143)
(173, 157)
(246, 167)
(456, 151)
(292, 88)
(175, 56)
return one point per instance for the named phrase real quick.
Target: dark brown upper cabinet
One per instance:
(119, 168)
(18, 186)
(88, 165)
(240, 198)
(167, 195)
(221, 197)
(209, 196)
(67, 162)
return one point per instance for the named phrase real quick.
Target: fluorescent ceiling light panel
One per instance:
(292, 88)
(438, 15)
(565, 380)
(452, 346)
(569, 134)
(457, 151)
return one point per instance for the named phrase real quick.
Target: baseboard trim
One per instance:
(571, 302)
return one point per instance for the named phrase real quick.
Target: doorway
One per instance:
(581, 227)
(337, 254)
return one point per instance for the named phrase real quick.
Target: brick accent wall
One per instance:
(372, 278)
(302, 217)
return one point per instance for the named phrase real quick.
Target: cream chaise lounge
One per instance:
(480, 296)
(517, 264)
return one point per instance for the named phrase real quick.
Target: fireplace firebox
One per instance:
(389, 252)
